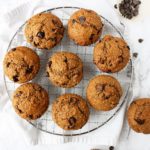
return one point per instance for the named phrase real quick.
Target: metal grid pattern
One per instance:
(97, 118)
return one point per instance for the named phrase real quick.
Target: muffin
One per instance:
(111, 54)
(21, 64)
(139, 115)
(103, 92)
(30, 101)
(85, 27)
(65, 69)
(70, 112)
(44, 30)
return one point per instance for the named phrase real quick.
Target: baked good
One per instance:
(21, 64)
(103, 92)
(139, 115)
(111, 54)
(30, 101)
(65, 69)
(70, 112)
(44, 30)
(85, 27)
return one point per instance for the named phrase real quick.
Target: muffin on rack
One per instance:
(65, 69)
(111, 54)
(103, 92)
(85, 27)
(30, 101)
(21, 64)
(139, 115)
(70, 112)
(44, 30)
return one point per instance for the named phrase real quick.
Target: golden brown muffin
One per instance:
(21, 64)
(70, 112)
(44, 30)
(111, 54)
(103, 92)
(139, 115)
(30, 101)
(65, 69)
(84, 27)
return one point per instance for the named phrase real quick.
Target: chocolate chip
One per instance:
(120, 59)
(82, 19)
(49, 63)
(139, 121)
(100, 87)
(65, 60)
(52, 39)
(140, 40)
(36, 44)
(115, 6)
(15, 78)
(19, 93)
(91, 37)
(47, 74)
(8, 64)
(30, 116)
(128, 47)
(53, 30)
(41, 35)
(73, 21)
(72, 121)
(13, 49)
(111, 148)
(135, 55)
(29, 69)
(20, 111)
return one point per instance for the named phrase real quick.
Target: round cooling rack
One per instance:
(97, 118)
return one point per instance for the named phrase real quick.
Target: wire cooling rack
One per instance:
(97, 118)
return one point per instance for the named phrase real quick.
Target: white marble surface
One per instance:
(141, 86)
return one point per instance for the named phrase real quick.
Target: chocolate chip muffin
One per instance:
(70, 112)
(30, 101)
(103, 92)
(139, 115)
(85, 27)
(111, 54)
(44, 30)
(21, 64)
(65, 69)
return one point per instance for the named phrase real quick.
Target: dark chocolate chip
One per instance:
(82, 19)
(49, 63)
(47, 74)
(13, 49)
(19, 93)
(53, 30)
(36, 44)
(128, 47)
(140, 40)
(72, 121)
(73, 21)
(8, 64)
(30, 116)
(15, 78)
(20, 111)
(29, 69)
(53, 39)
(135, 55)
(109, 71)
(111, 148)
(91, 37)
(41, 35)
(139, 121)
(100, 87)
(115, 6)
(65, 60)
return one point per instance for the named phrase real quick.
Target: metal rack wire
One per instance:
(97, 118)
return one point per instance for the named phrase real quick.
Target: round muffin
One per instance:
(30, 101)
(139, 115)
(85, 27)
(65, 69)
(70, 112)
(44, 30)
(104, 92)
(111, 54)
(21, 64)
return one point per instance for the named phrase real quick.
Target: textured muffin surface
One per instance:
(70, 112)
(21, 64)
(84, 27)
(103, 92)
(139, 115)
(65, 69)
(111, 54)
(30, 101)
(44, 30)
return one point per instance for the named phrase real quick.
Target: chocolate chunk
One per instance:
(139, 121)
(8, 64)
(30, 116)
(20, 111)
(128, 47)
(65, 60)
(115, 6)
(19, 93)
(49, 63)
(29, 69)
(135, 55)
(140, 40)
(36, 44)
(53, 39)
(47, 74)
(91, 37)
(82, 19)
(72, 121)
(15, 78)
(111, 148)
(53, 30)
(13, 49)
(73, 21)
(100, 87)
(41, 35)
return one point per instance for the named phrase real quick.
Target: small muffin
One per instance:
(70, 112)
(44, 30)
(104, 92)
(21, 64)
(65, 69)
(30, 101)
(139, 115)
(111, 54)
(85, 27)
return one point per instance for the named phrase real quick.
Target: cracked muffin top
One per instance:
(21, 64)
(65, 69)
(111, 54)
(85, 27)
(139, 115)
(103, 92)
(44, 30)
(70, 112)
